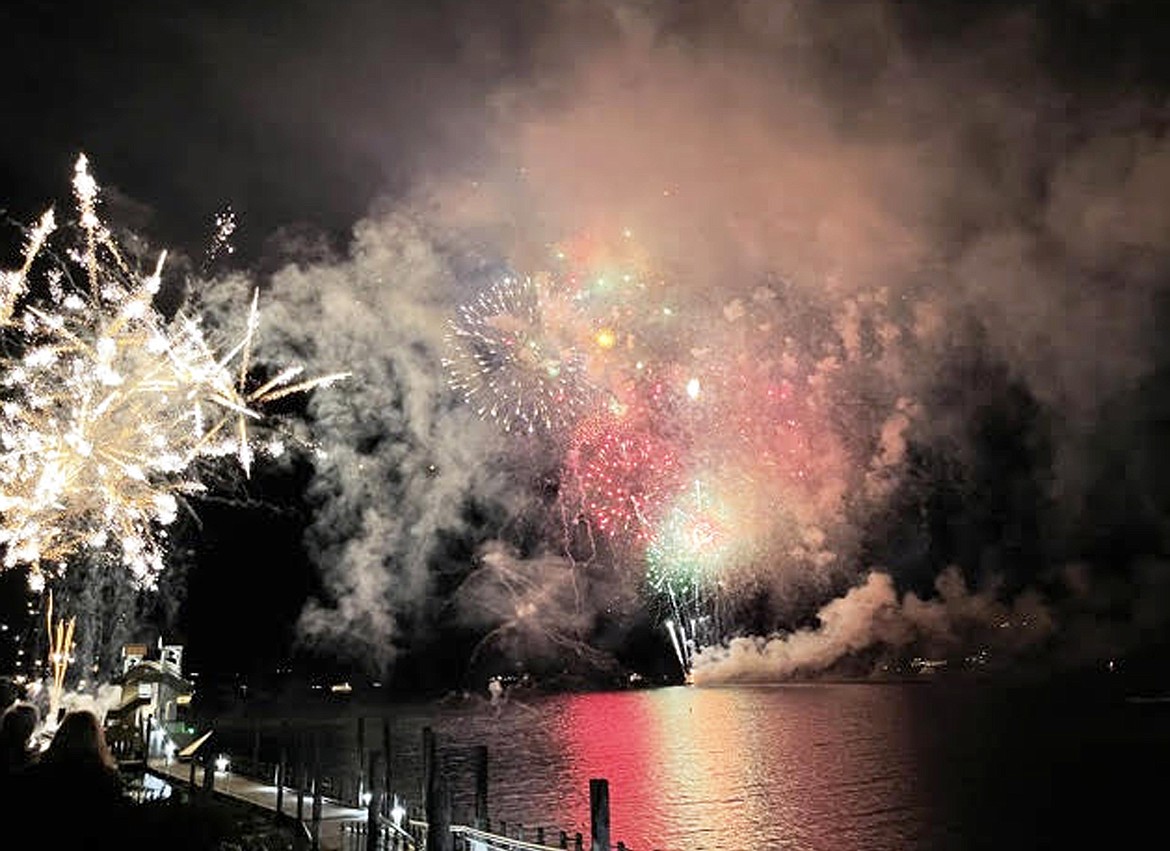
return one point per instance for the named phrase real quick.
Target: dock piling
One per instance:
(281, 771)
(208, 772)
(255, 767)
(436, 797)
(599, 814)
(481, 787)
(428, 764)
(373, 808)
(300, 776)
(315, 829)
(361, 761)
(387, 773)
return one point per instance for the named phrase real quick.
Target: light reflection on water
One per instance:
(801, 767)
(825, 767)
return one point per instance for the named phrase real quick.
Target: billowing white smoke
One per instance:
(872, 616)
(396, 458)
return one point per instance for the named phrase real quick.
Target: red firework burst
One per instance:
(624, 474)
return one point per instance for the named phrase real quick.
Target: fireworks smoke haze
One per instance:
(841, 235)
(853, 339)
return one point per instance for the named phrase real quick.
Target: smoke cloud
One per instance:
(871, 617)
(957, 262)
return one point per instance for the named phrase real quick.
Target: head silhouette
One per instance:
(79, 740)
(16, 729)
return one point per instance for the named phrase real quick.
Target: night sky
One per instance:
(956, 214)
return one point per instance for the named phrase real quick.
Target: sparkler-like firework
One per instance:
(108, 406)
(60, 655)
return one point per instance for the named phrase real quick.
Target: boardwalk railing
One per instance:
(355, 836)
(388, 835)
(298, 786)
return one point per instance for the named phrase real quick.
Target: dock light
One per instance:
(397, 812)
(221, 763)
(169, 751)
(366, 798)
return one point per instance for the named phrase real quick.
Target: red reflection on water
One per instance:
(614, 737)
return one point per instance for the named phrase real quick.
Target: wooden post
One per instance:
(564, 843)
(540, 836)
(387, 774)
(281, 769)
(208, 773)
(375, 803)
(361, 758)
(255, 768)
(577, 844)
(315, 830)
(438, 799)
(300, 776)
(599, 814)
(481, 787)
(443, 823)
(428, 765)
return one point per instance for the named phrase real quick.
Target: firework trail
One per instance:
(225, 225)
(60, 655)
(533, 609)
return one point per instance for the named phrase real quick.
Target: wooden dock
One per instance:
(331, 824)
(326, 817)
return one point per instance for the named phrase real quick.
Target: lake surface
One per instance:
(816, 767)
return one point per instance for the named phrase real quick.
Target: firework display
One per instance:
(625, 473)
(60, 634)
(109, 407)
(695, 441)
(516, 358)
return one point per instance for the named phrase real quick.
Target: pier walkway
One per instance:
(338, 824)
(264, 795)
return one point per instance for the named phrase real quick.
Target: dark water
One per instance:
(802, 767)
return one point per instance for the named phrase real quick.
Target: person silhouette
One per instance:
(74, 789)
(17, 726)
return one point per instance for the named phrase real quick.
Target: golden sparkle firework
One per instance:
(60, 654)
(109, 405)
